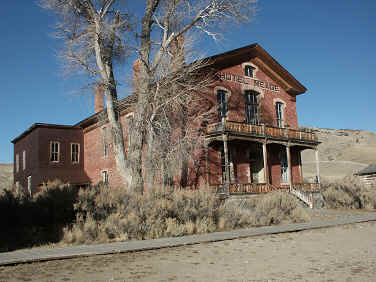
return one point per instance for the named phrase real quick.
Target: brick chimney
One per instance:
(177, 53)
(98, 99)
(136, 72)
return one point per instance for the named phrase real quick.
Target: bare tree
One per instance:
(93, 32)
(163, 23)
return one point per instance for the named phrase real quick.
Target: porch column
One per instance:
(265, 155)
(317, 166)
(289, 176)
(227, 170)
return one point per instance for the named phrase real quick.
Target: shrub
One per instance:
(108, 214)
(349, 193)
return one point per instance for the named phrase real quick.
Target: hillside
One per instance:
(342, 152)
(6, 176)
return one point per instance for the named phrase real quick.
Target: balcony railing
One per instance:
(261, 130)
(312, 187)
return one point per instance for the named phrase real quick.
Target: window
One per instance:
(24, 160)
(29, 184)
(222, 106)
(17, 186)
(248, 71)
(251, 107)
(75, 153)
(17, 163)
(279, 113)
(105, 145)
(105, 176)
(284, 167)
(55, 151)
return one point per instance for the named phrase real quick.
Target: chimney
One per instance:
(177, 53)
(136, 72)
(98, 99)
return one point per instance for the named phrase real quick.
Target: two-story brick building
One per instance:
(252, 145)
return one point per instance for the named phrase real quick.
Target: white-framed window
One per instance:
(105, 176)
(54, 151)
(284, 166)
(251, 107)
(75, 153)
(17, 186)
(248, 70)
(279, 113)
(17, 162)
(29, 184)
(104, 140)
(24, 160)
(222, 104)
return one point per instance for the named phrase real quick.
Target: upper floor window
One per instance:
(54, 151)
(222, 104)
(24, 160)
(279, 113)
(17, 162)
(248, 71)
(251, 107)
(75, 153)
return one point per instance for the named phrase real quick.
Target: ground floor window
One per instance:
(284, 167)
(29, 185)
(105, 176)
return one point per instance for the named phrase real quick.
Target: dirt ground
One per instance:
(343, 253)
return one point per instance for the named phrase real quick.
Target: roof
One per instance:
(371, 169)
(43, 125)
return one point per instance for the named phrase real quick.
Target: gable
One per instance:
(256, 54)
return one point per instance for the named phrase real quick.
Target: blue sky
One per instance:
(328, 46)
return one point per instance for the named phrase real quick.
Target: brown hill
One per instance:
(342, 152)
(6, 176)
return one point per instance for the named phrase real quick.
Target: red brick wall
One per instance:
(95, 161)
(236, 102)
(38, 165)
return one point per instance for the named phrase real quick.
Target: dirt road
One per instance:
(345, 253)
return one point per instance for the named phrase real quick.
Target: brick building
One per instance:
(252, 145)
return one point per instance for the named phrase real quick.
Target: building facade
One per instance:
(253, 143)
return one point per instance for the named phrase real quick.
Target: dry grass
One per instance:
(106, 214)
(349, 193)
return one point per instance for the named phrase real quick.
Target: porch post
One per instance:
(265, 155)
(317, 165)
(227, 170)
(289, 176)
(301, 167)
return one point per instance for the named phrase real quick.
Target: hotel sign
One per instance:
(248, 80)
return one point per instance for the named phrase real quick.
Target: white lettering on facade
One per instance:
(248, 80)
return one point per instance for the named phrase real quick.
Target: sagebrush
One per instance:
(349, 193)
(106, 214)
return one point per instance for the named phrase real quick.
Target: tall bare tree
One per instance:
(163, 23)
(94, 39)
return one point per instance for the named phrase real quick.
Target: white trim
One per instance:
(17, 162)
(24, 159)
(58, 151)
(78, 153)
(284, 107)
(29, 184)
(251, 65)
(105, 173)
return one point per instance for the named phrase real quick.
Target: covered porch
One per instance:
(251, 165)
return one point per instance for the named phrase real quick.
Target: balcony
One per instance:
(261, 131)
